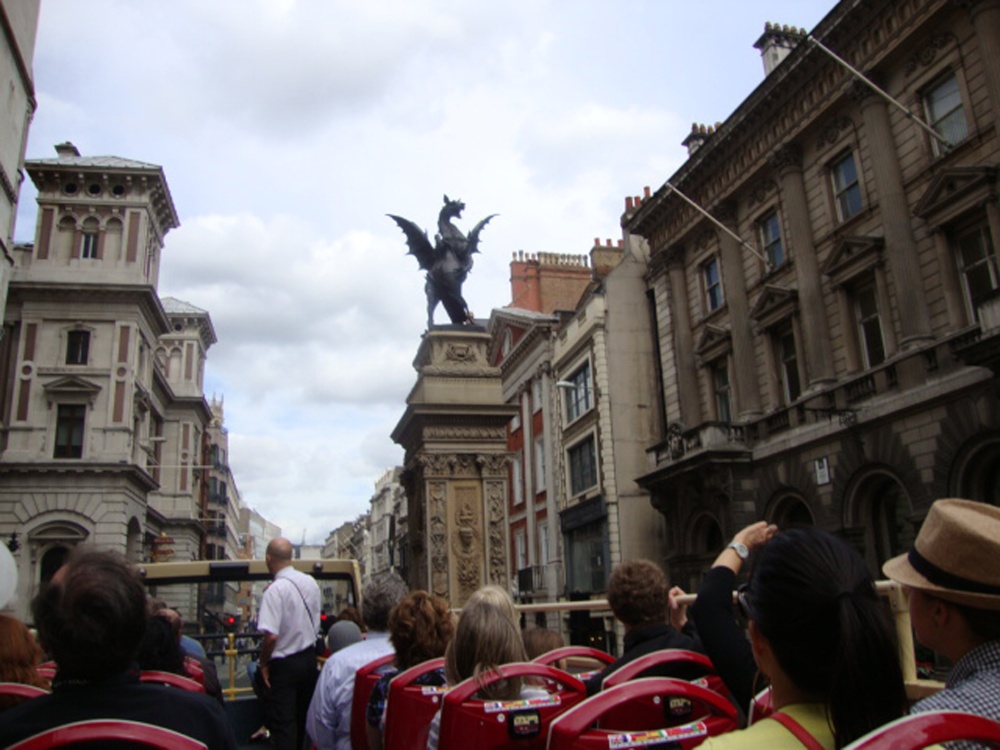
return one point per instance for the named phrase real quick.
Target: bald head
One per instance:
(278, 554)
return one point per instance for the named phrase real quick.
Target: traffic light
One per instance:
(325, 621)
(230, 623)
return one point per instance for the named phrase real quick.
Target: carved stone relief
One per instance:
(438, 532)
(496, 556)
(458, 432)
(466, 542)
(494, 464)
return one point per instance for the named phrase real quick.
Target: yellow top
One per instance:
(767, 734)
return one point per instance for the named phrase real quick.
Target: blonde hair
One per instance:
(488, 635)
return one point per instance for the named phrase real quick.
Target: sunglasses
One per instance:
(743, 601)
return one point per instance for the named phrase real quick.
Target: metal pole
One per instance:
(871, 84)
(717, 223)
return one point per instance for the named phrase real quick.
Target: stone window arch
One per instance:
(975, 473)
(50, 543)
(790, 511)
(880, 516)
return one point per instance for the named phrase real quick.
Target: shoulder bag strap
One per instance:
(303, 597)
(797, 729)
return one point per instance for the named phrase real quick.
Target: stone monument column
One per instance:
(454, 432)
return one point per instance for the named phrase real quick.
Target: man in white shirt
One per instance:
(329, 720)
(289, 620)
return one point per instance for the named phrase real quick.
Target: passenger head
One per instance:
(160, 647)
(342, 633)
(278, 554)
(19, 654)
(815, 615)
(420, 628)
(638, 593)
(538, 641)
(951, 570)
(487, 636)
(352, 614)
(380, 595)
(92, 615)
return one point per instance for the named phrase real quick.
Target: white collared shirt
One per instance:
(290, 610)
(329, 720)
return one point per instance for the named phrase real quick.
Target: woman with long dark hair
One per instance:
(825, 641)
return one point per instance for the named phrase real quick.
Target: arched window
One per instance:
(52, 560)
(881, 508)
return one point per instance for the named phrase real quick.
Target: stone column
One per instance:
(901, 249)
(455, 438)
(744, 361)
(985, 16)
(815, 342)
(683, 339)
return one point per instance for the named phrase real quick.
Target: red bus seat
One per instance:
(484, 725)
(106, 730)
(20, 690)
(930, 728)
(169, 678)
(411, 707)
(364, 680)
(194, 670)
(649, 710)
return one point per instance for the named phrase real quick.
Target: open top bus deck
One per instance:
(218, 601)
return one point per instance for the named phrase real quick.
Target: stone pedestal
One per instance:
(454, 432)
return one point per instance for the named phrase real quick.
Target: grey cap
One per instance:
(342, 633)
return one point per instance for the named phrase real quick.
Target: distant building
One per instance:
(18, 27)
(387, 525)
(841, 371)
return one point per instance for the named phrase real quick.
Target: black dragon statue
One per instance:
(447, 262)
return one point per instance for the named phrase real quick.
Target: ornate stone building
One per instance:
(101, 400)
(834, 367)
(18, 27)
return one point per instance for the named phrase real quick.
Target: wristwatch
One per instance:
(740, 548)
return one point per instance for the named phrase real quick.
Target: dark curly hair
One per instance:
(637, 593)
(420, 627)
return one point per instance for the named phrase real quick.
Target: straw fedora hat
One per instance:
(956, 555)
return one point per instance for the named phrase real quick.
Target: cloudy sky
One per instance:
(288, 129)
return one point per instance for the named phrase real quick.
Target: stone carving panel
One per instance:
(466, 541)
(494, 464)
(437, 526)
(496, 495)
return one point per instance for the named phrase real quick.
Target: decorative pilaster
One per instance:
(686, 364)
(744, 362)
(815, 341)
(985, 16)
(901, 249)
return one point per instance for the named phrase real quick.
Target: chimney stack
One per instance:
(66, 149)
(776, 43)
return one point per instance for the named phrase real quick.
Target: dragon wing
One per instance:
(473, 237)
(416, 239)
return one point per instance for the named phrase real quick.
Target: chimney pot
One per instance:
(646, 191)
(628, 203)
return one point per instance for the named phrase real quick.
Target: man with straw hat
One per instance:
(952, 575)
